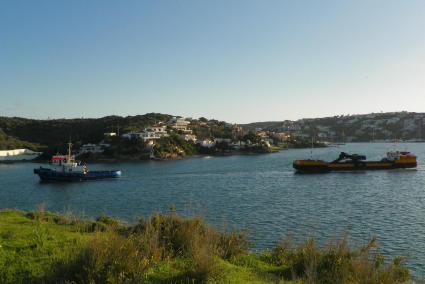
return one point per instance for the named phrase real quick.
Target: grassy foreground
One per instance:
(42, 247)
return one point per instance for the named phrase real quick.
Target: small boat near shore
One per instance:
(355, 162)
(66, 168)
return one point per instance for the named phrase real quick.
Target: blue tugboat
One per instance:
(65, 168)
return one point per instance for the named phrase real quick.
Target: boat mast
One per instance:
(69, 150)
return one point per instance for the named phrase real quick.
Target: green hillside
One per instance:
(56, 133)
(8, 142)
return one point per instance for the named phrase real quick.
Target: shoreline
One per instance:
(223, 154)
(143, 159)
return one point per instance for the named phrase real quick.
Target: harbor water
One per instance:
(258, 193)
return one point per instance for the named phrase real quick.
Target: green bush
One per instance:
(8, 142)
(107, 258)
(336, 263)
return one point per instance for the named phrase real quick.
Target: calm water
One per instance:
(259, 193)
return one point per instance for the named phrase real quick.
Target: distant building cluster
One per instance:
(182, 126)
(378, 127)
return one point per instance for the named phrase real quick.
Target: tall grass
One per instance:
(337, 263)
(112, 252)
(123, 254)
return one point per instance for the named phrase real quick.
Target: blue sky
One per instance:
(239, 61)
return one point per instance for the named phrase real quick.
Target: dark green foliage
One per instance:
(173, 146)
(56, 133)
(8, 143)
(219, 130)
(252, 137)
(202, 132)
(109, 221)
(206, 150)
(222, 147)
(125, 147)
(210, 129)
(257, 148)
(53, 136)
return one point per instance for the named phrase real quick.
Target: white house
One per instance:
(93, 148)
(189, 137)
(151, 135)
(18, 155)
(180, 124)
(148, 134)
(206, 143)
(161, 130)
(131, 135)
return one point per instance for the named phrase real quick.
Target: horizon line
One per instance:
(128, 115)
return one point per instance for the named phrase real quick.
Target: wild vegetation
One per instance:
(55, 133)
(51, 135)
(9, 142)
(42, 247)
(174, 146)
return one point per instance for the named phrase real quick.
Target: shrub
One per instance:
(170, 236)
(233, 244)
(167, 248)
(336, 263)
(108, 258)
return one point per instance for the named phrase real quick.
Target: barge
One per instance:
(355, 162)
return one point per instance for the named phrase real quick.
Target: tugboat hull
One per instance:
(48, 175)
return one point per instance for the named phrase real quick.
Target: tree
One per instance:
(252, 137)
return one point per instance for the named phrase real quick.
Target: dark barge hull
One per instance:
(350, 166)
(47, 175)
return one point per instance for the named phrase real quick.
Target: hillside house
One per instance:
(93, 148)
(149, 134)
(180, 124)
(207, 143)
(189, 137)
